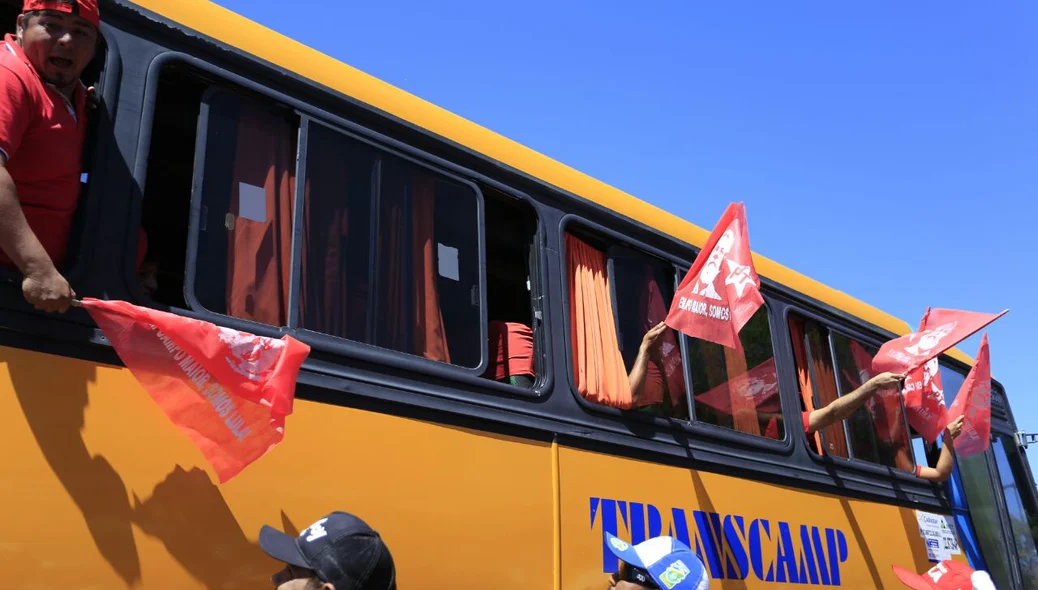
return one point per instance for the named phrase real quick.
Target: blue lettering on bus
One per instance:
(732, 546)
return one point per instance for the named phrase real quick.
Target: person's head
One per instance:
(660, 562)
(59, 37)
(337, 552)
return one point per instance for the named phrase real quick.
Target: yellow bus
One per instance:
(474, 310)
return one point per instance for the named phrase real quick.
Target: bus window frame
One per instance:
(839, 388)
(826, 460)
(341, 348)
(313, 336)
(629, 417)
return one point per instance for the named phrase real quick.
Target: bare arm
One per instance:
(641, 363)
(842, 407)
(43, 286)
(947, 459)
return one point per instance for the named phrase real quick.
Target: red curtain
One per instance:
(259, 251)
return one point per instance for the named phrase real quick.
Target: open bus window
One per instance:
(616, 295)
(738, 390)
(877, 431)
(817, 379)
(510, 229)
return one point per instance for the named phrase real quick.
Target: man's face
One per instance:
(60, 46)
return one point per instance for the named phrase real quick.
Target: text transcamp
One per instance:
(732, 546)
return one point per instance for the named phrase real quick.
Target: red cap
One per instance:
(87, 9)
(946, 575)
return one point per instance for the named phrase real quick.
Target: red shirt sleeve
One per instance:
(806, 417)
(14, 111)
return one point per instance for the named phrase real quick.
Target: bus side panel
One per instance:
(102, 491)
(748, 534)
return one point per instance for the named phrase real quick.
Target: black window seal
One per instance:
(710, 431)
(411, 363)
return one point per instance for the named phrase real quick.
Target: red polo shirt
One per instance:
(41, 136)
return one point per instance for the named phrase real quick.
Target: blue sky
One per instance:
(888, 149)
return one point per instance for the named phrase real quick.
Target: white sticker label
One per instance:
(448, 262)
(252, 202)
(938, 533)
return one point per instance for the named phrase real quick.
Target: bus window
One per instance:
(511, 225)
(817, 381)
(643, 288)
(738, 390)
(878, 430)
(244, 232)
(390, 252)
(616, 294)
(1020, 503)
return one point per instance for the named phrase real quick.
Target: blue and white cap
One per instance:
(670, 562)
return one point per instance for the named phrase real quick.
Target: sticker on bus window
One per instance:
(938, 533)
(252, 202)
(448, 262)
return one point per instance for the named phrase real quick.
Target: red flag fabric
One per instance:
(944, 329)
(228, 391)
(721, 291)
(974, 402)
(759, 386)
(924, 395)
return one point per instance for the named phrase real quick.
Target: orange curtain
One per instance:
(259, 251)
(430, 340)
(598, 367)
(796, 329)
(834, 435)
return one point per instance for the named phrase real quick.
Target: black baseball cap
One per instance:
(340, 549)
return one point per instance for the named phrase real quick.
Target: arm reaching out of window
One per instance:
(947, 459)
(43, 286)
(844, 406)
(650, 342)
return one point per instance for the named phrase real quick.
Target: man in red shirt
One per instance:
(42, 125)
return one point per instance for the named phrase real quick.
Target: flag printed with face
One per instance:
(721, 291)
(228, 391)
(924, 395)
(757, 387)
(944, 329)
(974, 402)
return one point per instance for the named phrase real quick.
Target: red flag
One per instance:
(759, 387)
(924, 395)
(974, 401)
(229, 391)
(944, 329)
(721, 291)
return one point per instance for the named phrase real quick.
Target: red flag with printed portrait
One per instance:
(944, 329)
(924, 395)
(228, 391)
(974, 402)
(721, 291)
